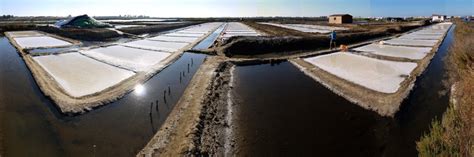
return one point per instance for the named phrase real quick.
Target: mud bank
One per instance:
(70, 105)
(382, 103)
(1, 127)
(282, 41)
(186, 131)
(211, 136)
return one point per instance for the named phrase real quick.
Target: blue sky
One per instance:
(236, 8)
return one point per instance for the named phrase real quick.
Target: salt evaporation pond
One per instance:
(237, 29)
(279, 111)
(307, 27)
(409, 42)
(41, 41)
(79, 75)
(156, 45)
(129, 58)
(415, 53)
(379, 75)
(174, 39)
(32, 126)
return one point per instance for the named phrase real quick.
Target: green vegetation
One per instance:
(454, 134)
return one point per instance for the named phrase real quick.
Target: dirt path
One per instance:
(1, 125)
(184, 126)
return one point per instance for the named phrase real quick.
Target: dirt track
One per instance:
(1, 127)
(186, 131)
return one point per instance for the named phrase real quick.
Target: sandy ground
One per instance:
(184, 126)
(73, 106)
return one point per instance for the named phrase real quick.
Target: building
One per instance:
(394, 19)
(438, 18)
(340, 19)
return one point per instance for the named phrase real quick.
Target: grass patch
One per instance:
(453, 135)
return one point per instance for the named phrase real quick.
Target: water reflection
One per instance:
(139, 89)
(121, 128)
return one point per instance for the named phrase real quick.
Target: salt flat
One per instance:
(126, 57)
(40, 41)
(184, 35)
(156, 45)
(396, 51)
(174, 39)
(379, 75)
(306, 27)
(419, 36)
(187, 31)
(79, 75)
(411, 42)
(238, 29)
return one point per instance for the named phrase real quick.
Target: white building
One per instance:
(438, 18)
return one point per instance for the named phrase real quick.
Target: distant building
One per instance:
(340, 18)
(394, 19)
(438, 18)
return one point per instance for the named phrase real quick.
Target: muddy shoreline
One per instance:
(186, 130)
(200, 126)
(1, 129)
(382, 103)
(70, 105)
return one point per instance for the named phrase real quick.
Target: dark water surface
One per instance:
(33, 127)
(282, 112)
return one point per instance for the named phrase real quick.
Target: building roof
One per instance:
(340, 15)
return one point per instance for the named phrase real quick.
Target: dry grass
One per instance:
(454, 134)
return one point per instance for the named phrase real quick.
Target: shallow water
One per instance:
(279, 111)
(206, 43)
(33, 127)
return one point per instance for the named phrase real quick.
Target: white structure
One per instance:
(438, 18)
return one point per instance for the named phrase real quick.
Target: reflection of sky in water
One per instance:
(139, 89)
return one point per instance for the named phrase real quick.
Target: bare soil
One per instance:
(186, 131)
(1, 126)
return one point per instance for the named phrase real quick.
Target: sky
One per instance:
(236, 8)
